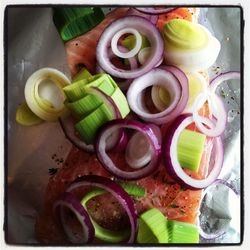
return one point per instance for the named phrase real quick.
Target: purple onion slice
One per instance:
(171, 160)
(153, 11)
(146, 28)
(101, 144)
(69, 201)
(117, 191)
(170, 78)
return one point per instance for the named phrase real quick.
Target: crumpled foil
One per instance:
(33, 43)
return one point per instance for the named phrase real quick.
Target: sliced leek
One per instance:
(77, 90)
(129, 42)
(84, 106)
(89, 125)
(73, 22)
(181, 232)
(26, 117)
(83, 74)
(190, 149)
(152, 227)
(44, 94)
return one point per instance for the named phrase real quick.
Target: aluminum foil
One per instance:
(34, 43)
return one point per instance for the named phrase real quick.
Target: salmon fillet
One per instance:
(163, 192)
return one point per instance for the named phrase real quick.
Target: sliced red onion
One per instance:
(157, 77)
(132, 52)
(171, 160)
(138, 151)
(152, 18)
(70, 201)
(218, 112)
(108, 164)
(211, 236)
(153, 11)
(214, 83)
(68, 127)
(117, 191)
(146, 28)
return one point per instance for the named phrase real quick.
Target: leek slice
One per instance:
(152, 227)
(26, 117)
(77, 90)
(88, 126)
(84, 106)
(103, 233)
(83, 74)
(190, 149)
(44, 94)
(181, 232)
(73, 22)
(129, 42)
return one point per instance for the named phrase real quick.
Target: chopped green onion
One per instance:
(181, 232)
(190, 149)
(83, 74)
(152, 227)
(89, 125)
(26, 117)
(73, 22)
(103, 233)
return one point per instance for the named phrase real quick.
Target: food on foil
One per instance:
(144, 121)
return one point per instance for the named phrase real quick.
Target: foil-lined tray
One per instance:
(33, 42)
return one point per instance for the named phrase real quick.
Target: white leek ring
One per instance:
(44, 93)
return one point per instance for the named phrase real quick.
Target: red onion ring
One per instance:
(171, 160)
(138, 151)
(117, 191)
(153, 11)
(100, 148)
(214, 83)
(211, 236)
(70, 201)
(146, 28)
(134, 12)
(171, 75)
(218, 111)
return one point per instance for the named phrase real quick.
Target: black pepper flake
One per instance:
(174, 205)
(232, 97)
(53, 171)
(182, 211)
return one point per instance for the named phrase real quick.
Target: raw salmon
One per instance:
(163, 192)
(179, 13)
